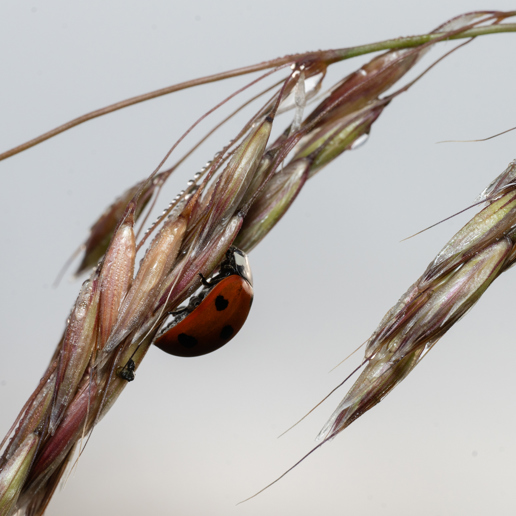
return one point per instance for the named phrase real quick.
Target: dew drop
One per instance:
(359, 141)
(311, 85)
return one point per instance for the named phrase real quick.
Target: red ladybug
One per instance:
(215, 316)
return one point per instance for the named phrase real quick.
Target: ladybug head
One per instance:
(236, 262)
(241, 264)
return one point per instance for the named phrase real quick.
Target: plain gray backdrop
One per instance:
(195, 436)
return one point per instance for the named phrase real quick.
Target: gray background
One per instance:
(193, 437)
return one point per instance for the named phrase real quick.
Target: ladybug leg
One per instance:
(127, 372)
(181, 311)
(207, 283)
(214, 281)
(204, 281)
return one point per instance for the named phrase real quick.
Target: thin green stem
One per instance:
(415, 41)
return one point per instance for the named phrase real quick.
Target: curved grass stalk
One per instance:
(328, 56)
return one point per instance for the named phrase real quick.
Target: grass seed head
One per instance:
(450, 286)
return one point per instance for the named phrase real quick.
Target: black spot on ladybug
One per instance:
(221, 303)
(187, 340)
(227, 332)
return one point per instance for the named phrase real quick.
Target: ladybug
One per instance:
(214, 316)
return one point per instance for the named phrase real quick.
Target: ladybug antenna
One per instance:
(323, 400)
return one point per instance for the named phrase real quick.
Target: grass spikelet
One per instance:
(18, 468)
(76, 350)
(102, 230)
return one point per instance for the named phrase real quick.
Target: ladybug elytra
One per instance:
(214, 316)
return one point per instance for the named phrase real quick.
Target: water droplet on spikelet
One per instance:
(359, 141)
